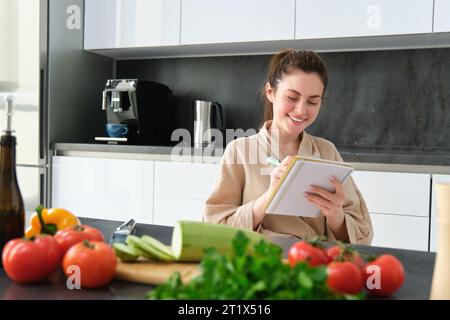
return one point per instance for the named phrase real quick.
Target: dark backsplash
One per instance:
(386, 99)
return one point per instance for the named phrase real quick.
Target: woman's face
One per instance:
(296, 101)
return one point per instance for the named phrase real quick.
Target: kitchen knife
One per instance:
(121, 233)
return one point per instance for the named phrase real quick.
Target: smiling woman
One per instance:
(293, 93)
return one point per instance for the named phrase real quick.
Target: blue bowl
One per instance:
(117, 130)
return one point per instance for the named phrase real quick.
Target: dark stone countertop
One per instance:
(418, 272)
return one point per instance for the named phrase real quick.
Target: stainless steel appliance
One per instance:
(208, 116)
(137, 112)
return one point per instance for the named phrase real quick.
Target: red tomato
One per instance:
(384, 275)
(304, 251)
(96, 262)
(344, 277)
(31, 260)
(69, 236)
(336, 252)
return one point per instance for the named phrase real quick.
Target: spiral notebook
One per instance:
(288, 197)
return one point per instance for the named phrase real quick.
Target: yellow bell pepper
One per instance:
(54, 219)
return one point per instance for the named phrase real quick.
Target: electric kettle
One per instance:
(208, 115)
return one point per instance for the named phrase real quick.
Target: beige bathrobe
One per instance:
(245, 175)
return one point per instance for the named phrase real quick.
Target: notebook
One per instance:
(288, 197)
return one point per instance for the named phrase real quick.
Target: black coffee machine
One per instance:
(137, 112)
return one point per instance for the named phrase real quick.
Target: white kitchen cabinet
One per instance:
(437, 178)
(318, 19)
(400, 232)
(395, 192)
(185, 179)
(441, 16)
(399, 207)
(131, 23)
(170, 210)
(181, 189)
(113, 189)
(219, 21)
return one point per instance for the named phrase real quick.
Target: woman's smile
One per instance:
(296, 120)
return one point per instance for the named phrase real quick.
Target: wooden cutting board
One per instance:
(155, 272)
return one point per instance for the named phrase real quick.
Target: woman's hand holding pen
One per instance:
(277, 173)
(275, 176)
(331, 205)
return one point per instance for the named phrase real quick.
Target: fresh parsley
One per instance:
(241, 276)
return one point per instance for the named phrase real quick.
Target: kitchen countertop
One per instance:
(375, 158)
(418, 272)
(137, 152)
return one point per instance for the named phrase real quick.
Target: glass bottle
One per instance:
(12, 210)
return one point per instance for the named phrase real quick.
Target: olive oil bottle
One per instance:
(12, 210)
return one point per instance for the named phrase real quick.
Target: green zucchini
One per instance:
(159, 247)
(135, 243)
(148, 250)
(191, 238)
(125, 253)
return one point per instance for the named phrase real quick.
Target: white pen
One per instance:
(273, 161)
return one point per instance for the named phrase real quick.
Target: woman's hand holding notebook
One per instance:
(288, 198)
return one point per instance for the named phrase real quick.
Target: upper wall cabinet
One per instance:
(135, 29)
(219, 21)
(131, 23)
(441, 16)
(318, 19)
